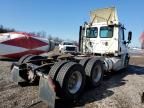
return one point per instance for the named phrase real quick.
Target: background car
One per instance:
(68, 47)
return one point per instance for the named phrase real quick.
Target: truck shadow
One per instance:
(138, 70)
(111, 80)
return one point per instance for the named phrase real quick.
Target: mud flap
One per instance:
(46, 92)
(15, 75)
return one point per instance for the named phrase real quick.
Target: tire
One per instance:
(84, 61)
(24, 74)
(33, 57)
(20, 61)
(23, 58)
(94, 71)
(55, 69)
(65, 77)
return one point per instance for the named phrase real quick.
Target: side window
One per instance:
(121, 33)
(92, 32)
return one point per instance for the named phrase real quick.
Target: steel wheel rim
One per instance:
(74, 82)
(97, 73)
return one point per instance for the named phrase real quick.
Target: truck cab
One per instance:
(104, 35)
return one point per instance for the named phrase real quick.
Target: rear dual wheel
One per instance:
(93, 70)
(71, 79)
(71, 76)
(55, 69)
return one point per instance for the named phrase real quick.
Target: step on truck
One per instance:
(103, 48)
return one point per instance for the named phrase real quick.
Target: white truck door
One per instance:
(122, 42)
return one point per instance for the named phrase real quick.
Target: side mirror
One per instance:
(129, 36)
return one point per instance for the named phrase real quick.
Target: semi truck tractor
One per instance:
(103, 48)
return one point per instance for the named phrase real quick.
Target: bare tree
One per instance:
(5, 30)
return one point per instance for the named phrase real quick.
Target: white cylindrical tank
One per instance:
(108, 64)
(113, 63)
(17, 44)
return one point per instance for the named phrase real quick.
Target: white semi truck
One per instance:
(103, 49)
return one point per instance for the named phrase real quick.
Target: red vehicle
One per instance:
(14, 45)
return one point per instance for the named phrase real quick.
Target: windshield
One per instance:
(67, 43)
(92, 32)
(106, 32)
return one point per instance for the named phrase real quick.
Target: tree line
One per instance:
(41, 34)
(6, 30)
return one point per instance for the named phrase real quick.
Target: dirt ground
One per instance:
(123, 89)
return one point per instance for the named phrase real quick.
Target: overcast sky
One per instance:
(62, 18)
